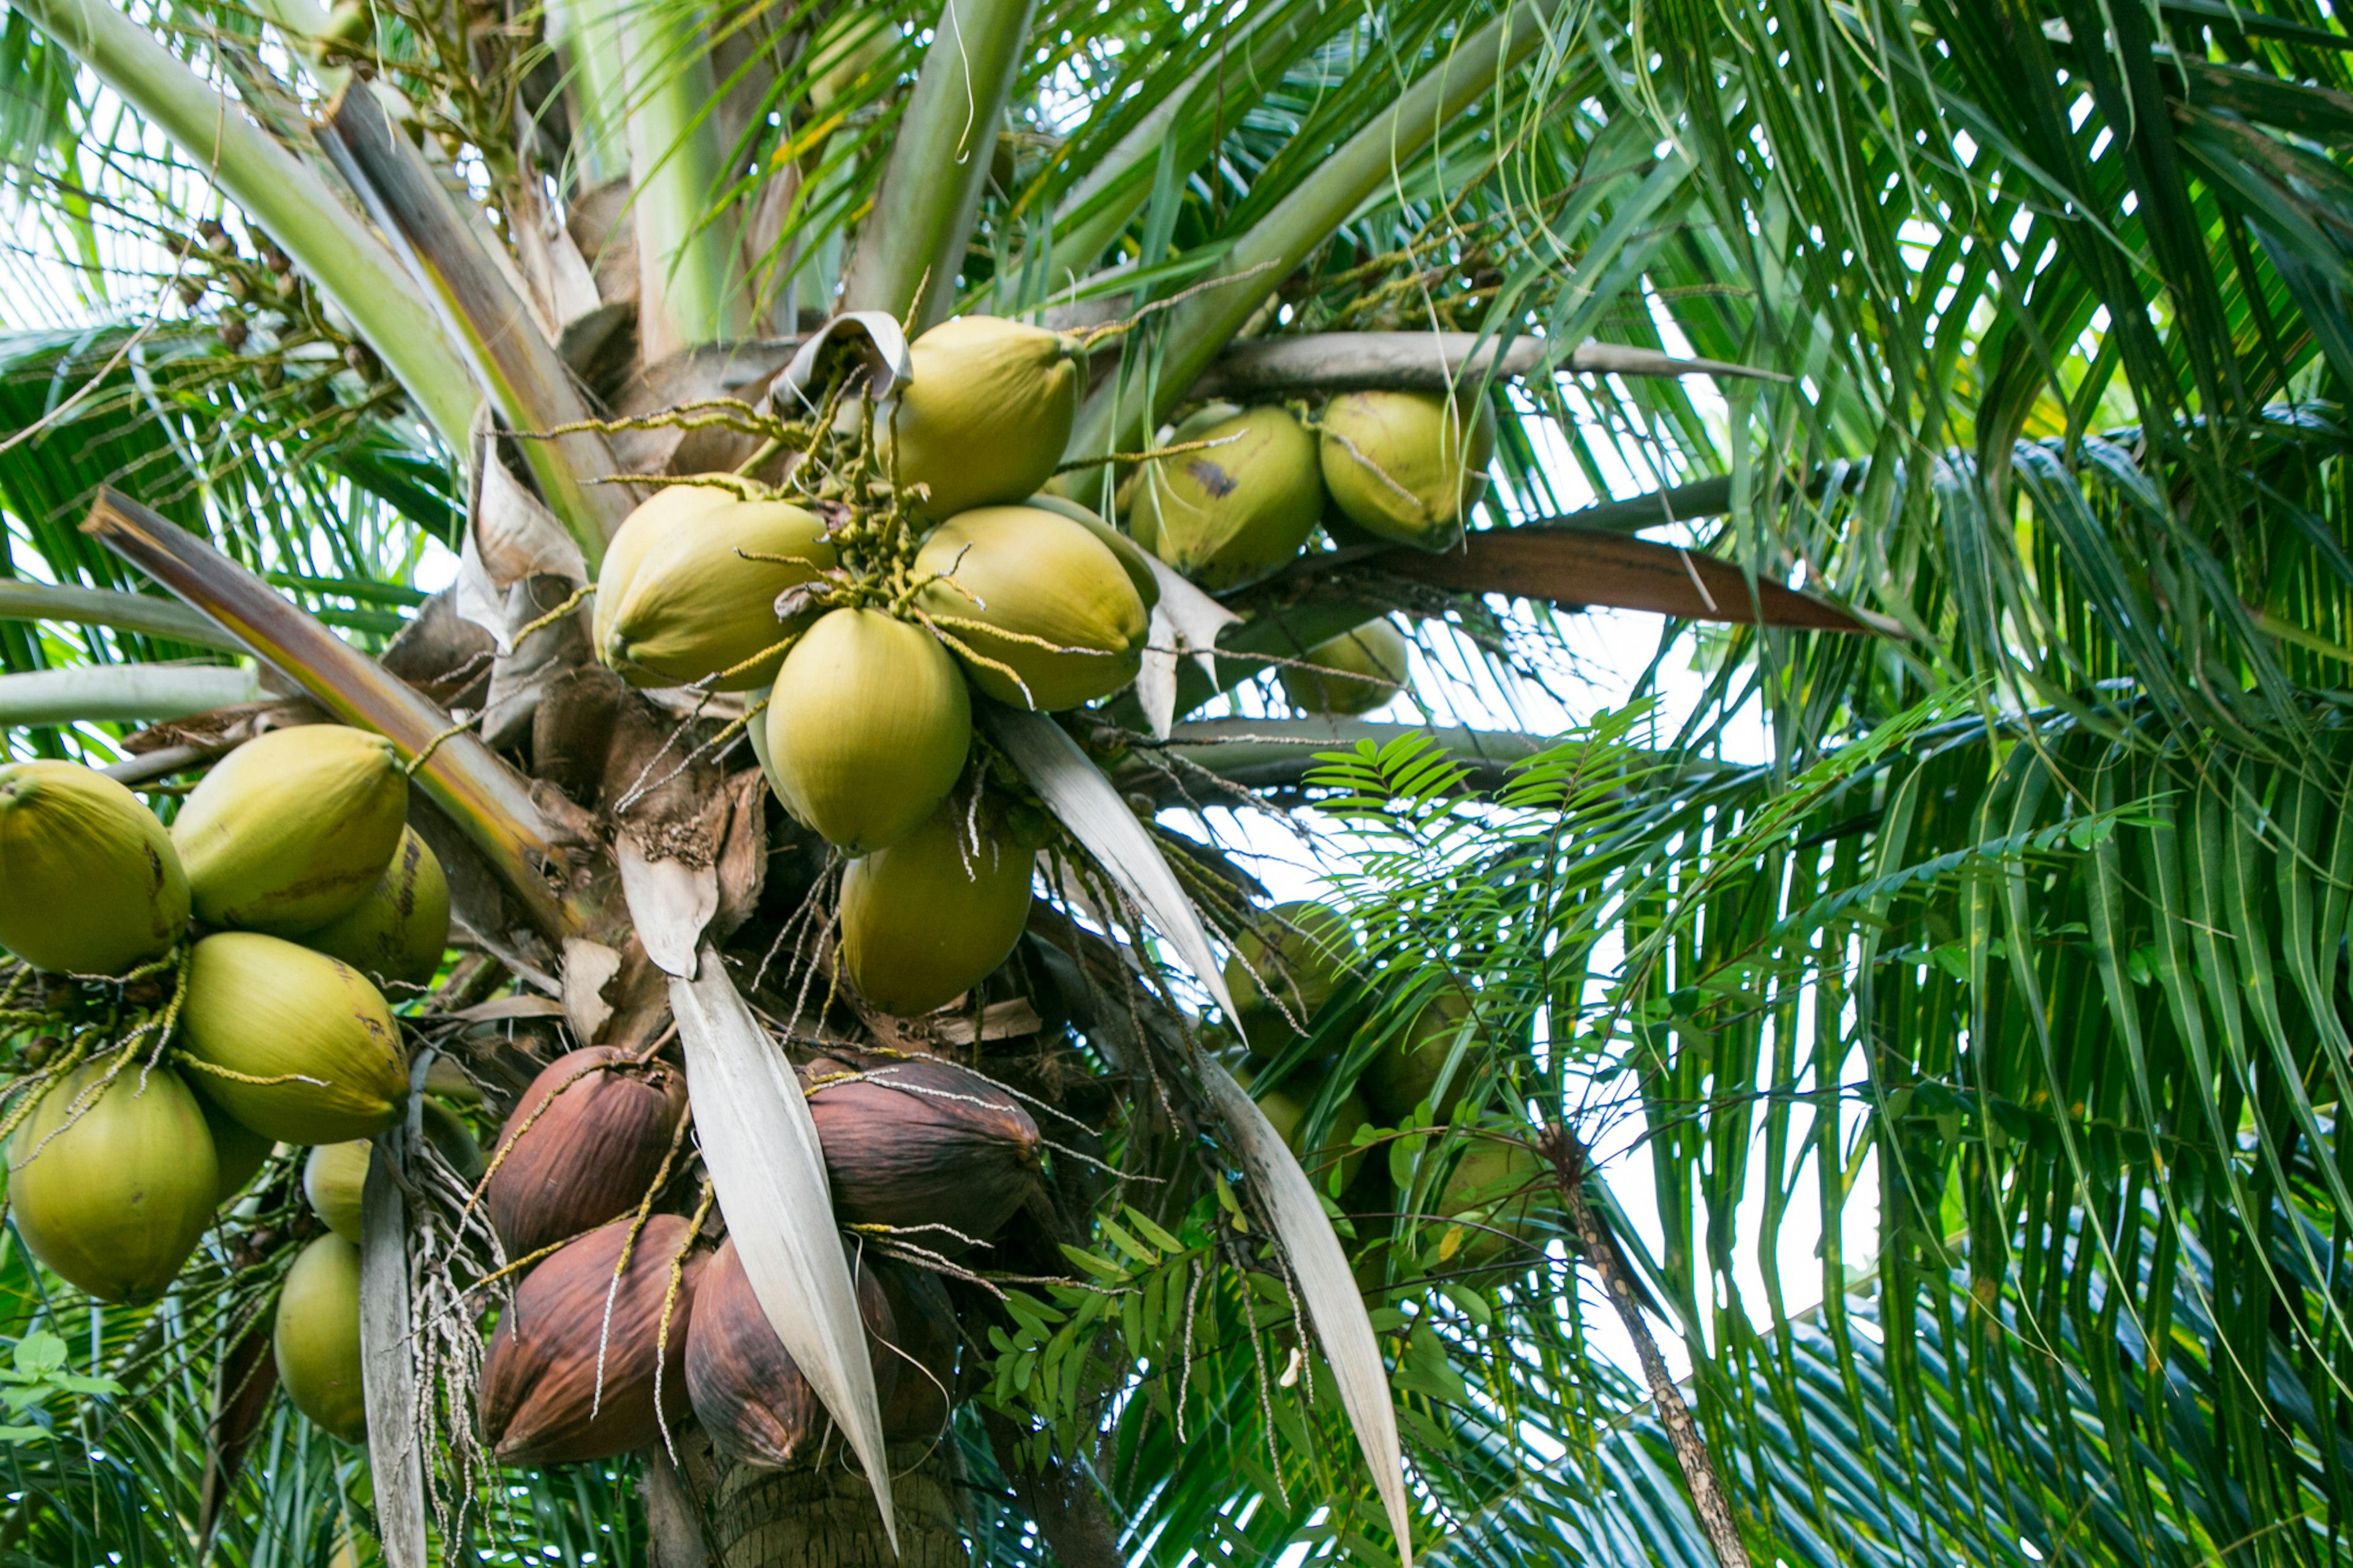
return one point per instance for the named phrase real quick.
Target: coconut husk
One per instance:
(923, 1349)
(746, 1390)
(583, 1144)
(540, 1400)
(924, 1147)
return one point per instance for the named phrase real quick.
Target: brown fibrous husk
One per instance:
(541, 1402)
(747, 1392)
(938, 1154)
(587, 1139)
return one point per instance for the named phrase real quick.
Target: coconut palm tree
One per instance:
(1955, 389)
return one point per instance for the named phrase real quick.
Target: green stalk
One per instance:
(1117, 417)
(488, 801)
(139, 612)
(119, 694)
(915, 237)
(526, 380)
(589, 39)
(1117, 187)
(691, 281)
(284, 195)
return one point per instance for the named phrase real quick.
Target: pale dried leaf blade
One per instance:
(388, 1374)
(1155, 678)
(1087, 803)
(760, 1145)
(1196, 617)
(878, 338)
(1327, 1287)
(1078, 793)
(670, 902)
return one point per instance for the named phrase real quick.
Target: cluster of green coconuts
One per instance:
(1013, 592)
(211, 991)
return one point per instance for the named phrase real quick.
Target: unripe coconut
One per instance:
(699, 599)
(583, 1144)
(1133, 559)
(293, 829)
(858, 39)
(1034, 593)
(1402, 464)
(239, 1151)
(927, 919)
(1490, 1198)
(112, 1187)
(317, 1338)
(266, 1009)
(90, 883)
(1377, 651)
(669, 510)
(333, 1178)
(1237, 512)
(541, 1401)
(984, 418)
(868, 727)
(1404, 1071)
(747, 1391)
(920, 1143)
(452, 1140)
(1292, 960)
(400, 929)
(1286, 1108)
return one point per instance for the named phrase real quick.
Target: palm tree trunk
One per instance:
(823, 1515)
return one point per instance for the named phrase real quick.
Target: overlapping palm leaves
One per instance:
(2081, 997)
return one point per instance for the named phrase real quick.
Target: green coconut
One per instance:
(1402, 465)
(1300, 952)
(401, 928)
(1286, 1108)
(700, 600)
(1404, 1071)
(1487, 1202)
(1377, 652)
(868, 727)
(449, 1133)
(1034, 596)
(90, 883)
(1237, 513)
(238, 1151)
(113, 1186)
(927, 919)
(1132, 557)
(293, 829)
(669, 510)
(317, 1338)
(333, 1179)
(984, 418)
(316, 1054)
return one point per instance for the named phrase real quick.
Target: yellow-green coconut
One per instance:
(1286, 1108)
(1237, 513)
(1487, 1202)
(1404, 1071)
(333, 1180)
(699, 599)
(317, 1338)
(1030, 595)
(985, 418)
(1375, 660)
(317, 1055)
(401, 928)
(666, 512)
(292, 828)
(927, 919)
(90, 883)
(1132, 557)
(113, 1186)
(868, 727)
(1299, 953)
(1407, 466)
